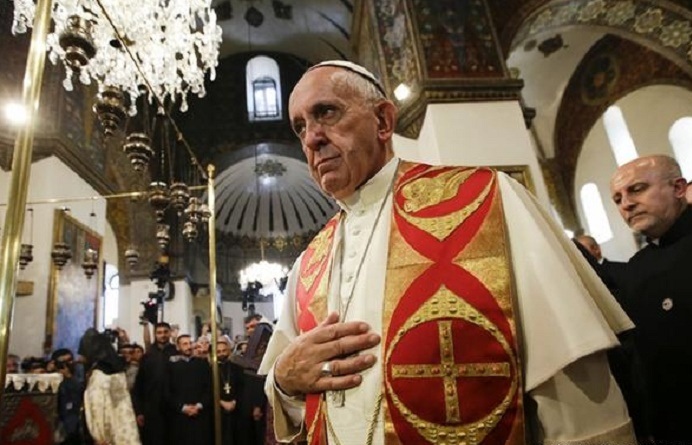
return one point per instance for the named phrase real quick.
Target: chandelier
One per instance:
(175, 42)
(267, 274)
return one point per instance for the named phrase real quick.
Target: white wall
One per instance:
(649, 113)
(596, 164)
(177, 311)
(483, 133)
(50, 178)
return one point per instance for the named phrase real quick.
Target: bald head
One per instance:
(649, 193)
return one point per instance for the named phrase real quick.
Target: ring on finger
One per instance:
(326, 369)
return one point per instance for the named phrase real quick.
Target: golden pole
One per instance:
(211, 200)
(19, 181)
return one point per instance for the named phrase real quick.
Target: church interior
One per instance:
(555, 93)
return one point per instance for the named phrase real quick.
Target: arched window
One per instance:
(680, 136)
(111, 295)
(263, 89)
(596, 218)
(619, 135)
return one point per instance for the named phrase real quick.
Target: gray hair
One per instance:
(356, 84)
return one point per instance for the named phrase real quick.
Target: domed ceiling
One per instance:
(310, 29)
(270, 195)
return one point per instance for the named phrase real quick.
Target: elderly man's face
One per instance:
(648, 201)
(688, 194)
(341, 134)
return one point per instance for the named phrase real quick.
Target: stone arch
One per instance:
(580, 108)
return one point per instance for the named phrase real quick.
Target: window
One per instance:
(264, 94)
(263, 89)
(111, 294)
(680, 136)
(596, 218)
(621, 142)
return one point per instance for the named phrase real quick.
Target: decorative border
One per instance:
(668, 27)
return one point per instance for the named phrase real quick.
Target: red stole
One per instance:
(449, 353)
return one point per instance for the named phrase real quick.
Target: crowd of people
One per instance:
(115, 392)
(440, 305)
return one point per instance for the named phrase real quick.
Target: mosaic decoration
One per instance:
(668, 26)
(80, 127)
(397, 43)
(456, 38)
(445, 51)
(599, 79)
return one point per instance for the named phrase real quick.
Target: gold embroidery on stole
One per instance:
(486, 257)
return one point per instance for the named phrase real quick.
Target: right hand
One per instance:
(297, 371)
(140, 420)
(190, 410)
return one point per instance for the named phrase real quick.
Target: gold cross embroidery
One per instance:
(449, 371)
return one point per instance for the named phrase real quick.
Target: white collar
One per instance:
(372, 191)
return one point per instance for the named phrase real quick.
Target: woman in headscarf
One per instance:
(107, 405)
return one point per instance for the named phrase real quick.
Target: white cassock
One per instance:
(567, 319)
(108, 409)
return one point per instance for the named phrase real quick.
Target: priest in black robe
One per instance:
(189, 396)
(230, 383)
(657, 291)
(148, 391)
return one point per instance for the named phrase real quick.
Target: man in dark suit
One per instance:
(657, 291)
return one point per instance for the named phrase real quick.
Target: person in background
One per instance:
(253, 413)
(231, 381)
(108, 409)
(34, 365)
(149, 389)
(201, 347)
(649, 193)
(70, 395)
(189, 396)
(13, 364)
(126, 351)
(137, 353)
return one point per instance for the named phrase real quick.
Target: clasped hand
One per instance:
(299, 369)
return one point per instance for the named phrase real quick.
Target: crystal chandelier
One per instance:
(175, 42)
(263, 277)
